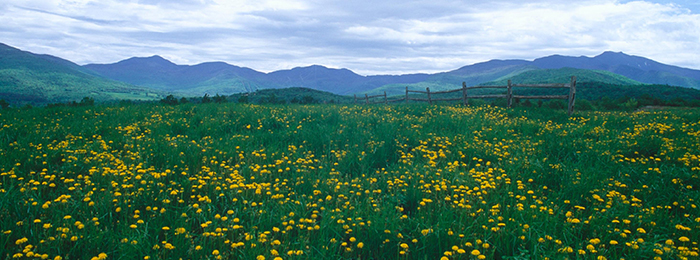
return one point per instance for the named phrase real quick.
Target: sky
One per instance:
(368, 37)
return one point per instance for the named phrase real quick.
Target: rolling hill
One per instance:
(27, 78)
(634, 67)
(158, 73)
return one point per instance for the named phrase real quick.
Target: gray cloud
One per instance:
(369, 37)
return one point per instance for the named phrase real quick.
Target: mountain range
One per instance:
(39, 79)
(28, 77)
(218, 77)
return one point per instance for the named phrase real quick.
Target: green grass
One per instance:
(240, 181)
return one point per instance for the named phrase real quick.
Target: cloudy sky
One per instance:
(368, 37)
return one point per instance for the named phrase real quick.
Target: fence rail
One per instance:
(571, 97)
(367, 99)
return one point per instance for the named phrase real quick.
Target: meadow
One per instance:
(410, 181)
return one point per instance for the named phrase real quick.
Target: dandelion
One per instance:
(21, 241)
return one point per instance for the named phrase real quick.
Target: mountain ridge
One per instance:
(163, 76)
(345, 81)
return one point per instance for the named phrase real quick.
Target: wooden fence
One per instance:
(571, 97)
(374, 99)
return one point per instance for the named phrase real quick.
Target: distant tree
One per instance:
(243, 99)
(608, 103)
(307, 100)
(694, 103)
(648, 100)
(206, 99)
(219, 99)
(4, 104)
(87, 101)
(630, 104)
(169, 100)
(294, 100)
(677, 102)
(271, 99)
(184, 100)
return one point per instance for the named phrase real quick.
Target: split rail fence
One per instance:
(571, 97)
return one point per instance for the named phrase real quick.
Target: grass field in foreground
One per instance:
(236, 181)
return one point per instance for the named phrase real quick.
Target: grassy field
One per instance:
(240, 181)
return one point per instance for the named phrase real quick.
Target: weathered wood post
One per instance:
(572, 94)
(465, 101)
(366, 99)
(509, 96)
(430, 101)
(406, 95)
(385, 100)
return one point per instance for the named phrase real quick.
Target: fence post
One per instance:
(355, 101)
(366, 99)
(465, 101)
(406, 95)
(430, 101)
(509, 96)
(385, 100)
(572, 94)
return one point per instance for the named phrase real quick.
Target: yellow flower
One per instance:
(683, 239)
(21, 241)
(215, 252)
(475, 252)
(360, 245)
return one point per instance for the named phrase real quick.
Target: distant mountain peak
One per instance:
(613, 54)
(152, 60)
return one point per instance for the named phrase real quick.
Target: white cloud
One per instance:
(369, 37)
